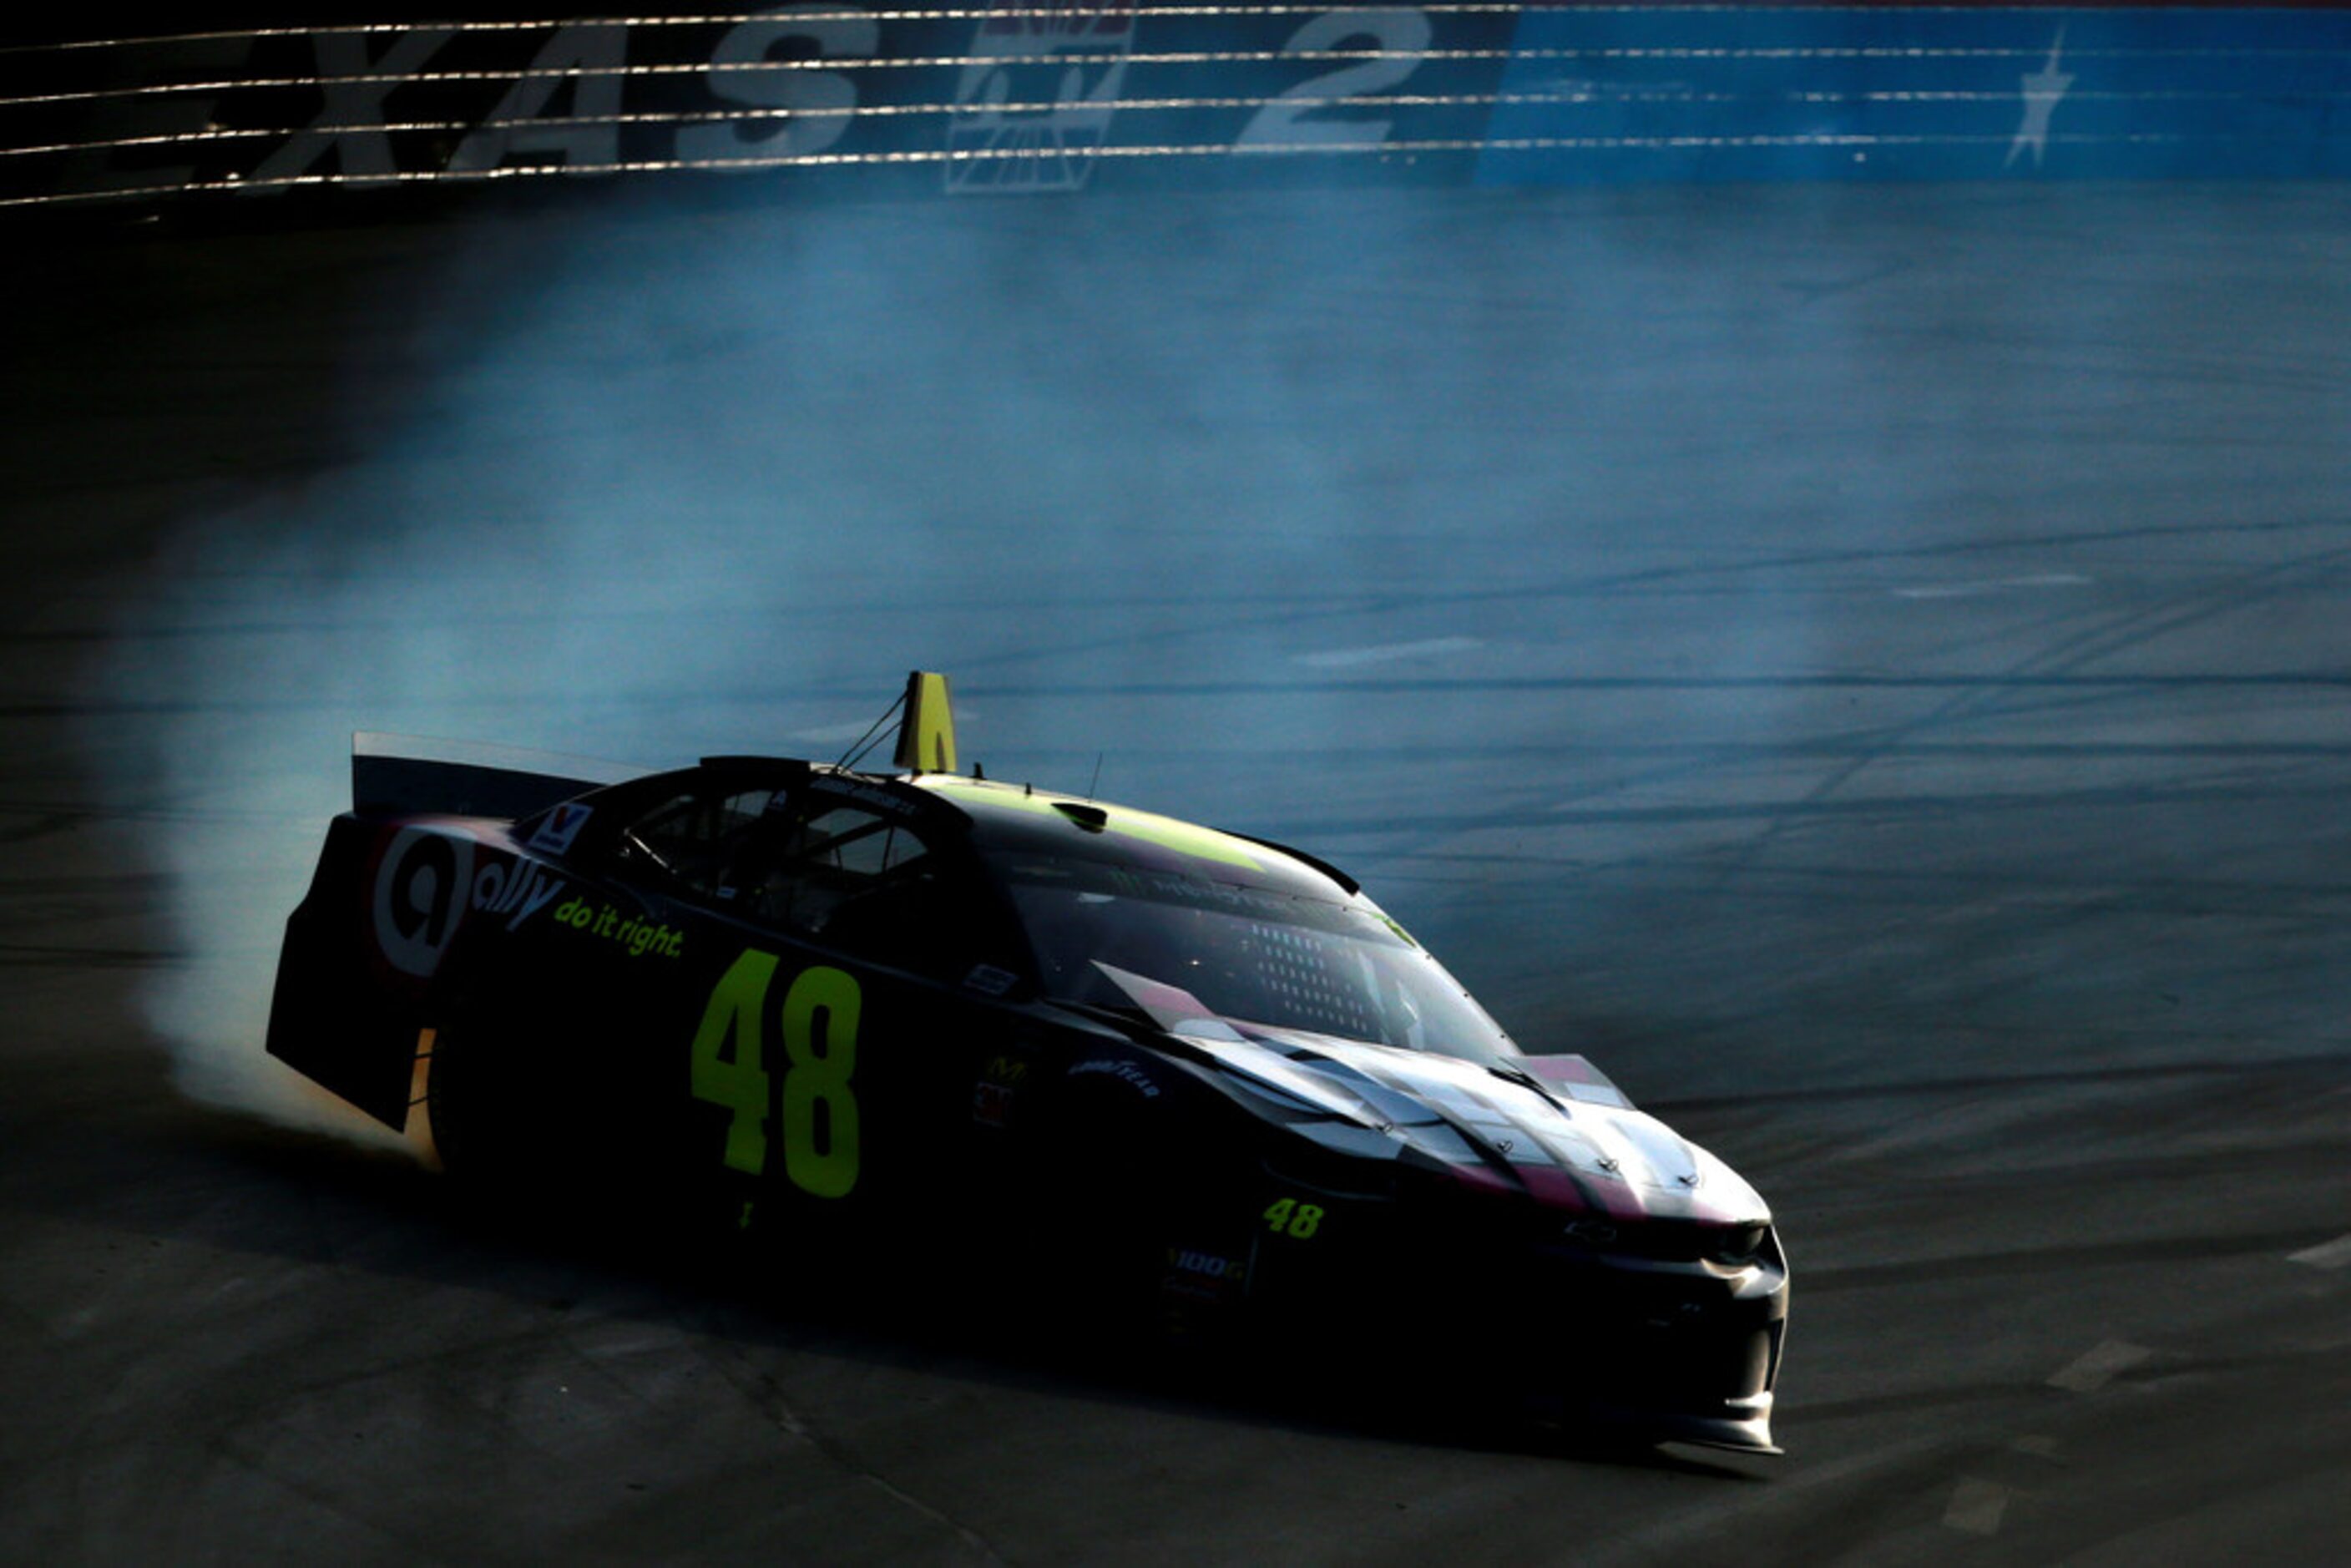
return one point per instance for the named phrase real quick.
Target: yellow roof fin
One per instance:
(926, 739)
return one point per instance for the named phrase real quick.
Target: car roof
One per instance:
(1022, 819)
(1019, 819)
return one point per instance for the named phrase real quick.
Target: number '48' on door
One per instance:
(812, 1110)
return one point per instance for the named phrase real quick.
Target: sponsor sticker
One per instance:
(872, 797)
(515, 890)
(633, 933)
(992, 1097)
(420, 888)
(991, 1105)
(428, 882)
(1203, 1276)
(988, 980)
(1125, 1072)
(1206, 1265)
(560, 827)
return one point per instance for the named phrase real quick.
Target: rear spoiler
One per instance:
(401, 775)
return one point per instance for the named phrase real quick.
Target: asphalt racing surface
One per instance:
(1868, 667)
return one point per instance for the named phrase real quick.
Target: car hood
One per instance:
(1491, 1129)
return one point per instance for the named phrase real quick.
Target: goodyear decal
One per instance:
(1126, 1073)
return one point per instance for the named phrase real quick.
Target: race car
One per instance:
(920, 1011)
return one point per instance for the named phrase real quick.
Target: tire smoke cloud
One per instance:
(1226, 489)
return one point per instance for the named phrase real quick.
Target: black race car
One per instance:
(925, 1011)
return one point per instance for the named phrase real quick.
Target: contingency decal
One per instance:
(560, 827)
(813, 1108)
(1209, 1277)
(992, 1098)
(990, 981)
(1133, 1075)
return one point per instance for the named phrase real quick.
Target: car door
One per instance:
(852, 964)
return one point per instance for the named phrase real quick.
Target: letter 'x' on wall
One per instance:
(352, 119)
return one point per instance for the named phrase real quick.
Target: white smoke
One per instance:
(650, 485)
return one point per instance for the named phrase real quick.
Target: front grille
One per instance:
(1697, 1364)
(1656, 1316)
(1667, 1240)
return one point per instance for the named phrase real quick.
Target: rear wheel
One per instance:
(476, 1100)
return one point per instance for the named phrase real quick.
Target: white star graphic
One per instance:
(2042, 90)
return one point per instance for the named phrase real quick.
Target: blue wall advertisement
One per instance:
(1039, 96)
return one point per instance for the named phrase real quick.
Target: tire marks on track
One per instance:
(764, 1392)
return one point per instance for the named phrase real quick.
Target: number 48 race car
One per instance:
(920, 1008)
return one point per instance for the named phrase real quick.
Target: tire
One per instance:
(469, 1101)
(527, 1122)
(1132, 1197)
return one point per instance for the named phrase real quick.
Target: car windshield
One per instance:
(1251, 956)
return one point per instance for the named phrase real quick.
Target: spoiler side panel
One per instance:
(334, 1016)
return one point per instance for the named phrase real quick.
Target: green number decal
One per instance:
(819, 1112)
(824, 1163)
(738, 1082)
(1287, 1217)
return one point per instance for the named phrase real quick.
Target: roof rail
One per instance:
(1347, 883)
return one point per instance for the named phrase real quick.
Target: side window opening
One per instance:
(857, 845)
(692, 836)
(811, 868)
(869, 885)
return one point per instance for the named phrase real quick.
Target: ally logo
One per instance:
(420, 889)
(427, 882)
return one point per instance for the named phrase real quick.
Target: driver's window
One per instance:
(694, 836)
(866, 884)
(814, 863)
